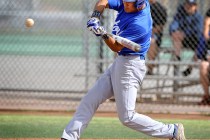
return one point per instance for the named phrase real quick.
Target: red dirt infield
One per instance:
(110, 114)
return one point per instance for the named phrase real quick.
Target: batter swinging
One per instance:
(123, 77)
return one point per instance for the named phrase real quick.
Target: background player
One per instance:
(203, 53)
(186, 29)
(159, 16)
(123, 77)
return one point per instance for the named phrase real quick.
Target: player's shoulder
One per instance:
(115, 4)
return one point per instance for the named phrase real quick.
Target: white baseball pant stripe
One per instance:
(121, 80)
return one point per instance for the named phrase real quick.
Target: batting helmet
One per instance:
(191, 1)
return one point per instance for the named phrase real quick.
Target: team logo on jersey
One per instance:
(116, 28)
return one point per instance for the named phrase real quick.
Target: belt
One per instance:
(142, 57)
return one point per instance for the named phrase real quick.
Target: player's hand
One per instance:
(93, 24)
(98, 31)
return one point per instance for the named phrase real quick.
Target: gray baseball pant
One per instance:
(121, 80)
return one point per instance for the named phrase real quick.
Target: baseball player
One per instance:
(203, 53)
(186, 30)
(123, 77)
(159, 16)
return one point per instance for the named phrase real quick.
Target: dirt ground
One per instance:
(111, 114)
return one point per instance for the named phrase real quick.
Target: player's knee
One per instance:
(127, 119)
(125, 122)
(204, 66)
(153, 41)
(177, 36)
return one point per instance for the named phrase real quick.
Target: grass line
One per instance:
(28, 126)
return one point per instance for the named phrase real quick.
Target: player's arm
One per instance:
(99, 7)
(162, 15)
(112, 43)
(94, 23)
(206, 28)
(98, 10)
(174, 26)
(157, 29)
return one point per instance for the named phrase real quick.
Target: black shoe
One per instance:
(112, 99)
(149, 73)
(205, 101)
(177, 58)
(187, 72)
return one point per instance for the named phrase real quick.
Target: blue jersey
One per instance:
(204, 45)
(136, 27)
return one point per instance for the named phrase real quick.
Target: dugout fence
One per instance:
(58, 59)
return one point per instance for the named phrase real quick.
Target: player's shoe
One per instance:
(179, 134)
(205, 101)
(65, 136)
(187, 72)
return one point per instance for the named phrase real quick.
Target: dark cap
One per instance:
(191, 1)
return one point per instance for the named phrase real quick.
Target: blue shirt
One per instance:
(191, 25)
(136, 27)
(204, 44)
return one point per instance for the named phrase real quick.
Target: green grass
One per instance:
(28, 126)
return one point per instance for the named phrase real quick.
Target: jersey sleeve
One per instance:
(115, 4)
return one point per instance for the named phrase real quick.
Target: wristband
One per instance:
(96, 14)
(105, 36)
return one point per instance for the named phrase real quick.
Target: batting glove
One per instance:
(99, 31)
(93, 24)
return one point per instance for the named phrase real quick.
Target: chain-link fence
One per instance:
(56, 61)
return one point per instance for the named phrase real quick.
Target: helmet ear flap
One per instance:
(139, 3)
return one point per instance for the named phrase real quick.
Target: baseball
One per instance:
(29, 22)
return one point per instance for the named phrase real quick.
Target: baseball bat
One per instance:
(126, 43)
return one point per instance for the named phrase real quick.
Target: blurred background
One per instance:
(52, 65)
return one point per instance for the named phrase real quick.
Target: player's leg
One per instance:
(177, 38)
(191, 42)
(153, 52)
(204, 79)
(101, 91)
(128, 73)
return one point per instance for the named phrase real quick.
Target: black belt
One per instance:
(140, 56)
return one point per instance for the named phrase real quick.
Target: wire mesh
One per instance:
(54, 63)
